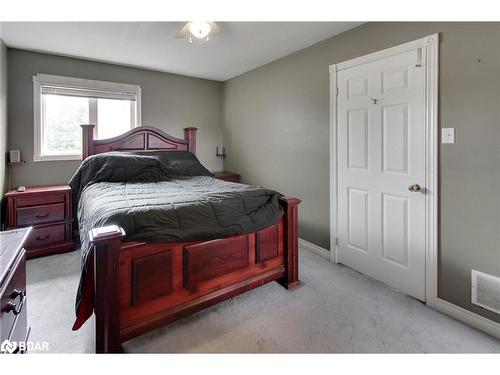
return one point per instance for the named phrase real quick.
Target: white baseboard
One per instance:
(322, 252)
(465, 316)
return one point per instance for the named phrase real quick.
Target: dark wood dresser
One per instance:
(13, 317)
(227, 176)
(49, 210)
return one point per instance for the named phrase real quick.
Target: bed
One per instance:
(161, 246)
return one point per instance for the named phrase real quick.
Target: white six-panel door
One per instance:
(381, 156)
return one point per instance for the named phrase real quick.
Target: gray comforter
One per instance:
(143, 196)
(192, 209)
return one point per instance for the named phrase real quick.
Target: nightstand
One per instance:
(48, 210)
(227, 176)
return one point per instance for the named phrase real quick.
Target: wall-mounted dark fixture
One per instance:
(14, 158)
(220, 152)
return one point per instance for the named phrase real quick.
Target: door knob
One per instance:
(414, 188)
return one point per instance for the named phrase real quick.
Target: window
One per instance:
(62, 104)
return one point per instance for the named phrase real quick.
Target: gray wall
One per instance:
(169, 102)
(3, 114)
(276, 133)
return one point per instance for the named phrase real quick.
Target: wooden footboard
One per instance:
(142, 286)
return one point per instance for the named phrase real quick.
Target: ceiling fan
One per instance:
(199, 30)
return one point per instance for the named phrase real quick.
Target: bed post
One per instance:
(190, 136)
(106, 242)
(87, 140)
(291, 206)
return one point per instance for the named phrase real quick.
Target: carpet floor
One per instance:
(336, 310)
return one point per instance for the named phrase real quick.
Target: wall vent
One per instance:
(485, 291)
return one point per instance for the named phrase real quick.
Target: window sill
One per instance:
(38, 158)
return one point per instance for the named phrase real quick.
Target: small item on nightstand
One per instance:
(21, 188)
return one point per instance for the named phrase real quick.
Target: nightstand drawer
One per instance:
(46, 235)
(40, 214)
(39, 200)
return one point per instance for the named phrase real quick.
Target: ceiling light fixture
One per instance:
(199, 30)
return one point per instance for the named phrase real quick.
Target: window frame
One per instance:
(41, 80)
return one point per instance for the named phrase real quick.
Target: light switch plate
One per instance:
(448, 135)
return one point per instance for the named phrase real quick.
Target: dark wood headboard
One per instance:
(141, 138)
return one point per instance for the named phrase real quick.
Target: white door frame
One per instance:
(431, 44)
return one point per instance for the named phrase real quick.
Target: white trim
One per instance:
(93, 114)
(138, 107)
(432, 167)
(322, 252)
(431, 44)
(397, 50)
(46, 79)
(333, 164)
(88, 84)
(465, 316)
(37, 121)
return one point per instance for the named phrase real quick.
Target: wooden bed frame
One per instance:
(142, 286)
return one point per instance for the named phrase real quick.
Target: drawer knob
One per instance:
(41, 215)
(13, 307)
(15, 293)
(43, 238)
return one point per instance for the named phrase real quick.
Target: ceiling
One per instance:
(241, 46)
